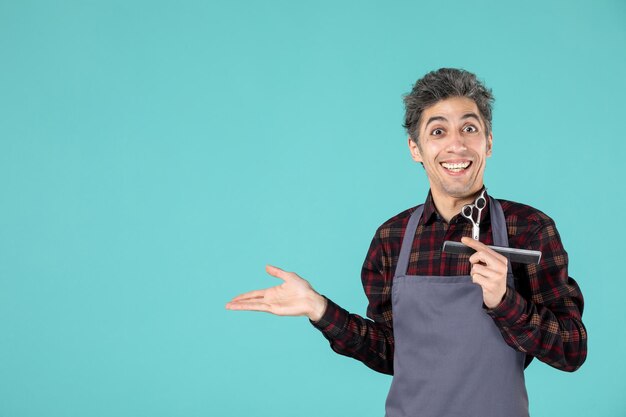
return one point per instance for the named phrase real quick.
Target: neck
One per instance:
(449, 206)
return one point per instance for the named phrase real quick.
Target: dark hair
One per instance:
(440, 85)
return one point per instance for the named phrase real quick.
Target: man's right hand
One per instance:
(294, 297)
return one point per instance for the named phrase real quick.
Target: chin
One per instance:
(462, 191)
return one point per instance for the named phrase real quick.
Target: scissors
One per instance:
(468, 212)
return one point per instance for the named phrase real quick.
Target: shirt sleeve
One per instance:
(548, 324)
(367, 340)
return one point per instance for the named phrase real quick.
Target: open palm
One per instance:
(294, 297)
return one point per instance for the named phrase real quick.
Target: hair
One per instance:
(442, 84)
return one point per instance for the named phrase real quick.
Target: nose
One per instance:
(456, 142)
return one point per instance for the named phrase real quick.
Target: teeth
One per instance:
(455, 167)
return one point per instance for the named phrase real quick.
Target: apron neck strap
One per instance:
(407, 241)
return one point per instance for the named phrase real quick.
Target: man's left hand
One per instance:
(489, 270)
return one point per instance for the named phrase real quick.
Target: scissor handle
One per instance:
(481, 202)
(467, 211)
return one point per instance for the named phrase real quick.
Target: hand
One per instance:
(489, 270)
(294, 297)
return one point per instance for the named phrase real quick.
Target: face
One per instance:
(453, 147)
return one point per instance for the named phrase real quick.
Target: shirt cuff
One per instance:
(334, 321)
(511, 309)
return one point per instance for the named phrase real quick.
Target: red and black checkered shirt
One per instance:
(541, 316)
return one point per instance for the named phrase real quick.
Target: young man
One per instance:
(455, 331)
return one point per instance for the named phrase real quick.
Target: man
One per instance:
(456, 331)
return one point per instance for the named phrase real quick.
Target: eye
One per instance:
(470, 129)
(437, 132)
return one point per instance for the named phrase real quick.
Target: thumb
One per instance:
(277, 272)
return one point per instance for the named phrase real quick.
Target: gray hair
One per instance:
(440, 85)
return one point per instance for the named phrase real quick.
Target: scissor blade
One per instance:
(476, 232)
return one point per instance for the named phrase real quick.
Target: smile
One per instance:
(456, 166)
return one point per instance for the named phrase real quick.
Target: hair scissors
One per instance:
(468, 212)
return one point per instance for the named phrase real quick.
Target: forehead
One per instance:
(451, 109)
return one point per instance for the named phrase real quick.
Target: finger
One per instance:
(476, 258)
(479, 279)
(477, 269)
(248, 306)
(474, 244)
(496, 263)
(250, 294)
(483, 253)
(485, 258)
(478, 246)
(488, 273)
(277, 272)
(488, 259)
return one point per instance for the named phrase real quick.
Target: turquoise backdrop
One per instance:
(155, 155)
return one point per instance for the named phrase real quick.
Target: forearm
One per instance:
(351, 335)
(552, 333)
(542, 315)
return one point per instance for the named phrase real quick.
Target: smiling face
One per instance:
(453, 146)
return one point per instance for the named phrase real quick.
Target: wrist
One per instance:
(496, 303)
(317, 308)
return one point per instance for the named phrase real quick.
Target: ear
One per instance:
(489, 144)
(415, 151)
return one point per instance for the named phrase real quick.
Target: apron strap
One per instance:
(500, 235)
(407, 241)
(498, 231)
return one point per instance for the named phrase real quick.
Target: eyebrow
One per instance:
(435, 118)
(443, 119)
(470, 115)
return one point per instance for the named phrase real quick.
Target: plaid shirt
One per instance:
(541, 316)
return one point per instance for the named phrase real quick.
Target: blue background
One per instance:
(154, 156)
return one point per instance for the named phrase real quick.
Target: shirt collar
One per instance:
(430, 213)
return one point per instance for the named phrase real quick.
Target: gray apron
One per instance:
(450, 359)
